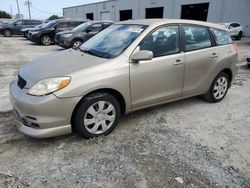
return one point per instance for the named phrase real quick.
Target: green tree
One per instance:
(53, 17)
(4, 14)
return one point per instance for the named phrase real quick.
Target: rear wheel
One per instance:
(218, 89)
(239, 35)
(96, 115)
(7, 33)
(46, 40)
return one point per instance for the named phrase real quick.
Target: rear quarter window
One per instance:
(221, 37)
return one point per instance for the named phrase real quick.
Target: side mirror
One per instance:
(231, 27)
(88, 30)
(143, 55)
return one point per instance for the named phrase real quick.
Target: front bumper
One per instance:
(34, 38)
(62, 42)
(43, 133)
(41, 117)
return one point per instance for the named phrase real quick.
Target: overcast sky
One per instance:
(41, 9)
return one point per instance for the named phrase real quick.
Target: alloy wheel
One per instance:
(46, 40)
(76, 44)
(220, 87)
(7, 33)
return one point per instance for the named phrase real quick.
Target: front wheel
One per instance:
(7, 33)
(96, 115)
(46, 40)
(76, 44)
(218, 89)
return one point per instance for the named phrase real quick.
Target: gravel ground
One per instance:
(189, 143)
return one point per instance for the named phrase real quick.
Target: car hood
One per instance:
(57, 64)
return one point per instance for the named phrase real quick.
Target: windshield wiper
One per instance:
(90, 52)
(86, 51)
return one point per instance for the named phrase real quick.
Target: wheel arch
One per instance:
(110, 91)
(229, 73)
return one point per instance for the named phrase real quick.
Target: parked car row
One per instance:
(75, 37)
(15, 27)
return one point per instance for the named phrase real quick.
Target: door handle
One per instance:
(178, 62)
(214, 55)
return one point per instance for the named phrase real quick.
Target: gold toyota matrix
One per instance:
(129, 66)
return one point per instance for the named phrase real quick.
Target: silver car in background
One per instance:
(129, 66)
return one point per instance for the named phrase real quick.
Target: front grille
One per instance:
(21, 82)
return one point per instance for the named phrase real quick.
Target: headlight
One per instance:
(50, 85)
(34, 32)
(67, 35)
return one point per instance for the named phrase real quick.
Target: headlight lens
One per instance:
(50, 85)
(67, 35)
(34, 32)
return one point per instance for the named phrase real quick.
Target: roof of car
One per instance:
(170, 21)
(103, 21)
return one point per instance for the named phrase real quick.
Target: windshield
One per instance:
(49, 24)
(112, 41)
(81, 27)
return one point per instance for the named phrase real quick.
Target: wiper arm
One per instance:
(86, 51)
(90, 52)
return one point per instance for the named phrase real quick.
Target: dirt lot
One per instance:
(189, 143)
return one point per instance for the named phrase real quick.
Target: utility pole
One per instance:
(28, 3)
(18, 7)
(11, 11)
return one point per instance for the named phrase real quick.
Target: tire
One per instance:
(76, 43)
(7, 33)
(218, 89)
(248, 65)
(46, 40)
(89, 121)
(239, 36)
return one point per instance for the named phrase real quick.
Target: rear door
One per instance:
(201, 56)
(234, 29)
(160, 79)
(28, 23)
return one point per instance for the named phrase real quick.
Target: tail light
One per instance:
(236, 48)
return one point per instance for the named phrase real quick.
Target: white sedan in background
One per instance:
(234, 29)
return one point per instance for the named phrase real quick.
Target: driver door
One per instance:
(160, 79)
(18, 26)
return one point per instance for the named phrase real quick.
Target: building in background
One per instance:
(217, 11)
